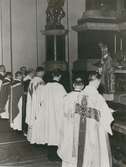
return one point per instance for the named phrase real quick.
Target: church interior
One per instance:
(65, 35)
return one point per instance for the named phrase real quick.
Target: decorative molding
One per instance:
(55, 32)
(96, 26)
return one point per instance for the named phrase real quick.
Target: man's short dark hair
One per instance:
(39, 69)
(94, 75)
(78, 81)
(18, 73)
(8, 74)
(24, 68)
(57, 73)
(2, 66)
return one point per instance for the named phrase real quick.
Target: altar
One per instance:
(105, 22)
(101, 22)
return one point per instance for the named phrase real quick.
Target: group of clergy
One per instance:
(12, 95)
(74, 125)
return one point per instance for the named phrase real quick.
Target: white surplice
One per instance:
(38, 132)
(32, 107)
(69, 137)
(53, 99)
(70, 130)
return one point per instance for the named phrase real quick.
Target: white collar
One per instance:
(17, 80)
(7, 79)
(28, 77)
(2, 73)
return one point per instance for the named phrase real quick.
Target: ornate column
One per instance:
(55, 35)
(55, 38)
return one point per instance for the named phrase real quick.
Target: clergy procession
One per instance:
(74, 126)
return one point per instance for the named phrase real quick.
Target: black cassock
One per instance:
(17, 92)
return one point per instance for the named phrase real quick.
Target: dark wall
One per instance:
(88, 43)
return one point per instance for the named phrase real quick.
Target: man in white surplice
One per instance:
(53, 99)
(33, 104)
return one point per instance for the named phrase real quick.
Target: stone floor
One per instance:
(16, 151)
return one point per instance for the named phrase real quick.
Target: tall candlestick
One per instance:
(121, 44)
(115, 44)
(55, 48)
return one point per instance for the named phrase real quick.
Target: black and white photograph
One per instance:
(62, 83)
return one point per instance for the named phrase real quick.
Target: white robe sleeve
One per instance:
(1, 83)
(28, 109)
(106, 116)
(97, 101)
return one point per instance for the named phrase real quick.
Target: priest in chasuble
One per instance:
(89, 146)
